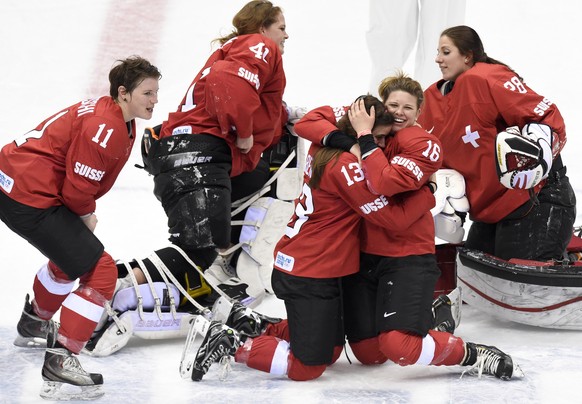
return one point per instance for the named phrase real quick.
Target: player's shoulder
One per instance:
(255, 43)
(484, 73)
(104, 110)
(414, 134)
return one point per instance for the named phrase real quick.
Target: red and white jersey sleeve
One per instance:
(239, 92)
(319, 122)
(408, 160)
(322, 238)
(485, 100)
(71, 158)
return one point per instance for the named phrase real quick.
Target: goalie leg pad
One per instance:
(148, 326)
(112, 339)
(267, 218)
(126, 299)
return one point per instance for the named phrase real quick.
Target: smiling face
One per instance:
(140, 102)
(277, 32)
(403, 106)
(450, 60)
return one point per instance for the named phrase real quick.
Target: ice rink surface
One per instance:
(56, 53)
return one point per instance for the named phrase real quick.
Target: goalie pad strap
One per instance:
(210, 281)
(157, 302)
(135, 287)
(243, 203)
(161, 266)
(125, 299)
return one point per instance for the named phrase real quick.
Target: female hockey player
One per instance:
(231, 112)
(526, 207)
(50, 179)
(388, 302)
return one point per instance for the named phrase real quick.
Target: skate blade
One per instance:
(57, 391)
(456, 298)
(517, 372)
(30, 342)
(224, 368)
(198, 326)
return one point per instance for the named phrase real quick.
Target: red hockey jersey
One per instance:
(416, 157)
(239, 91)
(485, 100)
(71, 158)
(322, 238)
(407, 162)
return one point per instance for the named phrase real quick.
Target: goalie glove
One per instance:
(294, 113)
(524, 158)
(450, 194)
(449, 227)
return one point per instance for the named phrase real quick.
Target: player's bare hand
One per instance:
(90, 221)
(244, 144)
(361, 121)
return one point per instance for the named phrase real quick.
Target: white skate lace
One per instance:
(72, 364)
(487, 362)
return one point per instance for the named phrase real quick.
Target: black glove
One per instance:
(339, 140)
(367, 145)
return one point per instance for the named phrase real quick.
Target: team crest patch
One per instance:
(284, 261)
(6, 182)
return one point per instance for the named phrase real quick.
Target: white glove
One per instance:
(449, 227)
(451, 188)
(524, 158)
(295, 113)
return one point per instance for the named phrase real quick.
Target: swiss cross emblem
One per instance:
(471, 137)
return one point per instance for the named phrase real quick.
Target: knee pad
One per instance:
(300, 372)
(264, 225)
(102, 277)
(368, 351)
(400, 347)
(337, 351)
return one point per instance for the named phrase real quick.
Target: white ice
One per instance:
(55, 53)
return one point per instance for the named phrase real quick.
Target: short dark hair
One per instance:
(129, 73)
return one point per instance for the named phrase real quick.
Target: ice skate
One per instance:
(447, 311)
(490, 360)
(218, 345)
(64, 378)
(221, 269)
(31, 329)
(246, 321)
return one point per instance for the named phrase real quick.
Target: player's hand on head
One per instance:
(361, 121)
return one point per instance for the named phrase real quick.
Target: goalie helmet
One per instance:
(523, 158)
